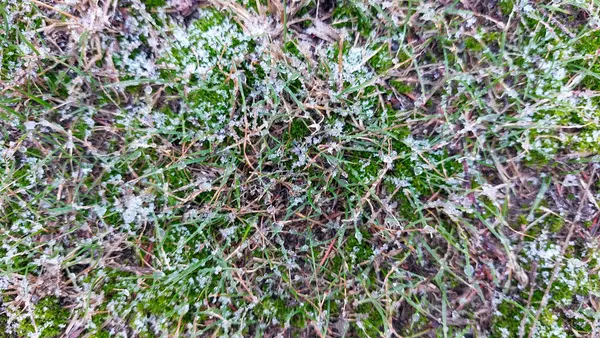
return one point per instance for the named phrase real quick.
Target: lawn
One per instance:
(299, 168)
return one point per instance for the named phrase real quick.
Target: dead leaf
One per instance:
(276, 9)
(323, 31)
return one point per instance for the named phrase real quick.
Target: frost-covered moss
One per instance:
(48, 319)
(573, 281)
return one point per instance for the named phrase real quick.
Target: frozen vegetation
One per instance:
(299, 168)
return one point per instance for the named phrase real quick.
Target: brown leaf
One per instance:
(323, 31)
(276, 9)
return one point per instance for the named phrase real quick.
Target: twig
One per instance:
(327, 252)
(54, 9)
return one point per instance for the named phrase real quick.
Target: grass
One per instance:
(305, 169)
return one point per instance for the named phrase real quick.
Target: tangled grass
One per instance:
(299, 168)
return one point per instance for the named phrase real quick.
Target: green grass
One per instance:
(398, 169)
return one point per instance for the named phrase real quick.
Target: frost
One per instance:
(135, 209)
(571, 181)
(30, 125)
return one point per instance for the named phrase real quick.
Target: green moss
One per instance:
(362, 167)
(555, 223)
(160, 305)
(573, 281)
(297, 130)
(537, 159)
(154, 3)
(472, 44)
(98, 321)
(348, 15)
(3, 329)
(521, 221)
(398, 135)
(101, 334)
(401, 87)
(212, 18)
(371, 322)
(589, 43)
(212, 96)
(506, 6)
(508, 318)
(50, 317)
(177, 177)
(588, 140)
(382, 61)
(551, 223)
(587, 46)
(426, 180)
(273, 307)
(57, 82)
(417, 323)
(561, 116)
(292, 48)
(492, 37)
(363, 250)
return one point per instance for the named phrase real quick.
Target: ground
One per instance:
(299, 168)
